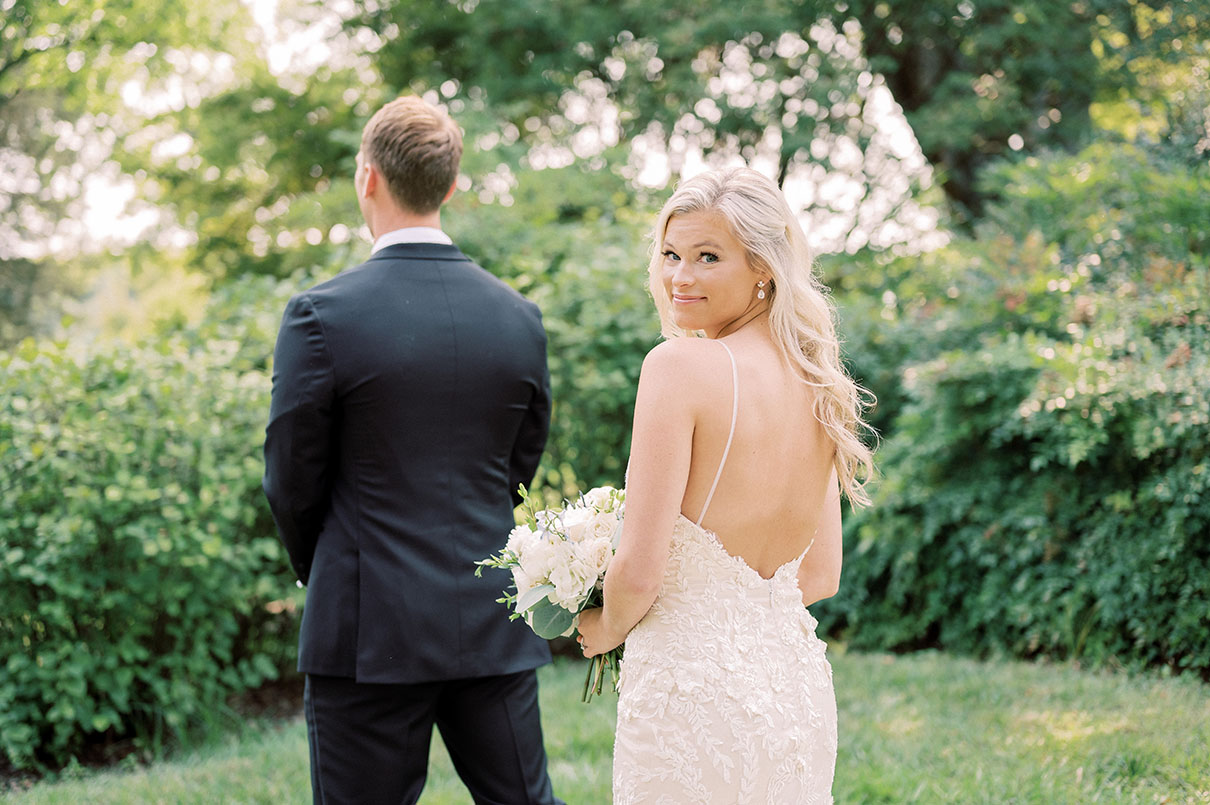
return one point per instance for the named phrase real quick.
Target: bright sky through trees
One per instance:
(838, 211)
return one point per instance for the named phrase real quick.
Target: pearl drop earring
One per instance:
(760, 294)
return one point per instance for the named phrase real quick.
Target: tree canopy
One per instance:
(975, 80)
(860, 108)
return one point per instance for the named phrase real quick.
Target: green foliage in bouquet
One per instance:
(1046, 463)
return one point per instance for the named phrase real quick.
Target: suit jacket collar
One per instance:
(410, 234)
(419, 251)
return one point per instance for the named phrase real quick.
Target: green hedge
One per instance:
(1009, 525)
(140, 579)
(1047, 453)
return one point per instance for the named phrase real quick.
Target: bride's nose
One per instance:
(681, 275)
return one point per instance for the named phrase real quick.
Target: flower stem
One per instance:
(592, 667)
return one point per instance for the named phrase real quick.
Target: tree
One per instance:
(254, 172)
(779, 82)
(976, 80)
(70, 80)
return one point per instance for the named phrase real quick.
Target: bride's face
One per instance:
(706, 272)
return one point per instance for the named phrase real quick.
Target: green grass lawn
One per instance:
(927, 728)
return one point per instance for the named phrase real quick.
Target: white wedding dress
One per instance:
(725, 693)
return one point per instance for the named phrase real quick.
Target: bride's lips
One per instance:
(679, 299)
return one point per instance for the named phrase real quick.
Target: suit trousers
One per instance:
(370, 742)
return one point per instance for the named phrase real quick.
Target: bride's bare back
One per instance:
(769, 503)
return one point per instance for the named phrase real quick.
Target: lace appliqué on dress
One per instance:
(726, 695)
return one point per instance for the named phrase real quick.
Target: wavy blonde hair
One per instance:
(801, 315)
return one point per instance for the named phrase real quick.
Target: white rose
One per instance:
(575, 522)
(571, 577)
(602, 526)
(583, 572)
(596, 554)
(538, 559)
(564, 593)
(599, 498)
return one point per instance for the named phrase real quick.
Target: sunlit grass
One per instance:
(927, 728)
(934, 728)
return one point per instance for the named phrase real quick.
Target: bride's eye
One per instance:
(709, 257)
(670, 255)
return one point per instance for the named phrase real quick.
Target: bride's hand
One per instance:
(594, 638)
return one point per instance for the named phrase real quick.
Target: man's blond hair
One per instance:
(417, 147)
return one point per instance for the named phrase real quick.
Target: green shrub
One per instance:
(599, 331)
(1047, 446)
(576, 244)
(1133, 207)
(140, 578)
(1008, 524)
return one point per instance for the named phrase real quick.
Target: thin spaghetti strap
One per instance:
(730, 436)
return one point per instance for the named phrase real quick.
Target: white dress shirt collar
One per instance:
(411, 234)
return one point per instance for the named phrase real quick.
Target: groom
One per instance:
(410, 398)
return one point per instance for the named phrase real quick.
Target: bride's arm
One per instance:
(819, 574)
(660, 449)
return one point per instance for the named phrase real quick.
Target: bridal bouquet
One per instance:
(558, 558)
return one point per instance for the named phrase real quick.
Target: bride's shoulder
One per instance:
(684, 361)
(685, 352)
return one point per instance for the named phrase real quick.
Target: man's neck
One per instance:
(388, 220)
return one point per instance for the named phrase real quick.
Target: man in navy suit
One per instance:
(410, 398)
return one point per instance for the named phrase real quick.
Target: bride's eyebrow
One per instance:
(669, 245)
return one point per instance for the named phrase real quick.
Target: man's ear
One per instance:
(450, 193)
(371, 181)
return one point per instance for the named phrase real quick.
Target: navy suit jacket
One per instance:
(410, 398)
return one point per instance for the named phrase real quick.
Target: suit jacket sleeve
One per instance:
(531, 439)
(298, 439)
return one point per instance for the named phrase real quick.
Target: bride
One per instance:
(743, 442)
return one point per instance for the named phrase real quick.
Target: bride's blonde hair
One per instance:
(801, 315)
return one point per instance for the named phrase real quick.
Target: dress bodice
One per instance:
(700, 572)
(726, 693)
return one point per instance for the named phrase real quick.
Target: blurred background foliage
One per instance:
(1010, 201)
